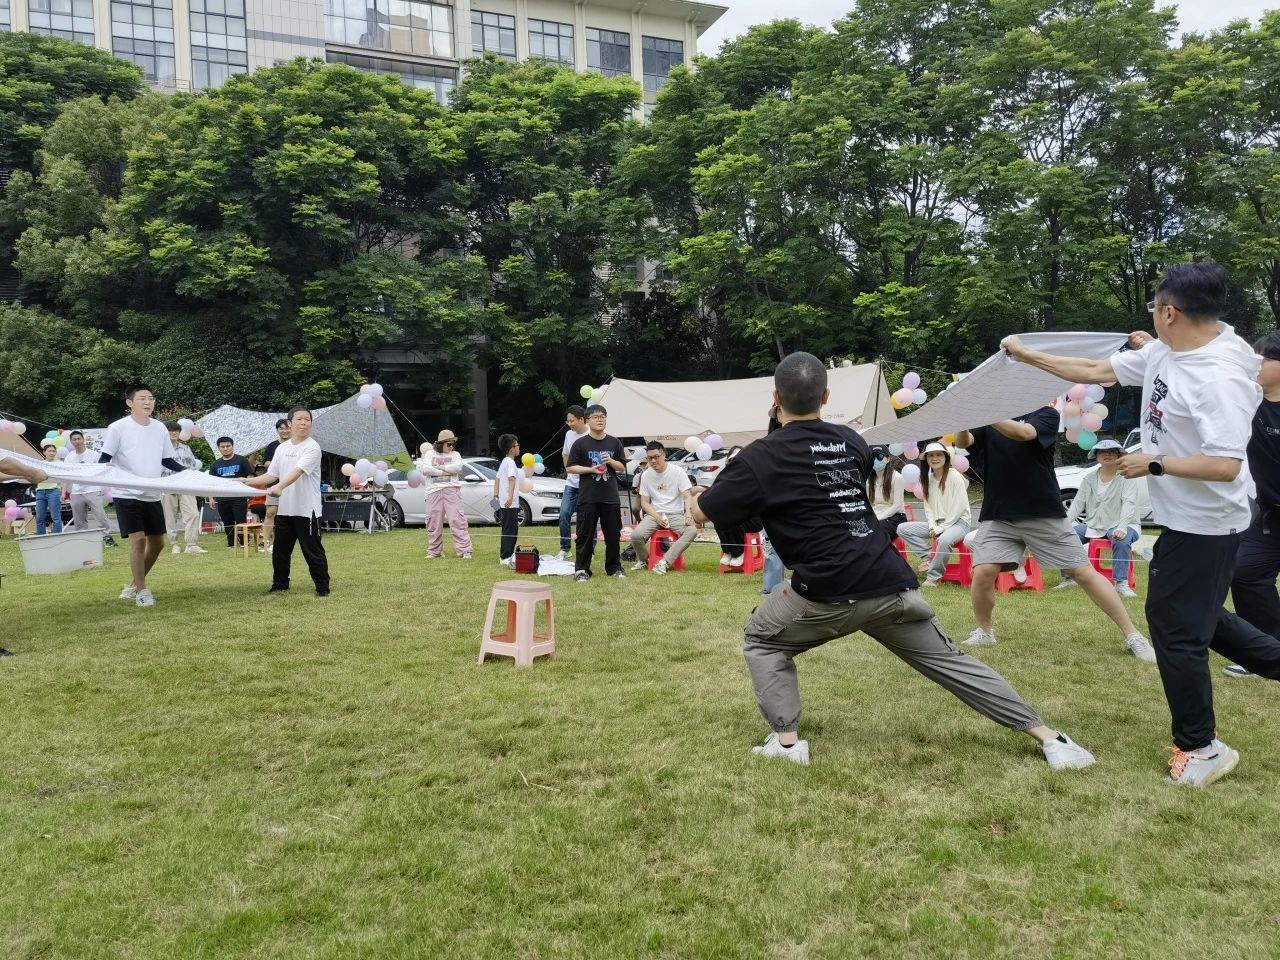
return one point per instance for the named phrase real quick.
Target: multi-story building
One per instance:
(196, 44)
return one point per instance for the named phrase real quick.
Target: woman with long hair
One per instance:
(945, 493)
(886, 489)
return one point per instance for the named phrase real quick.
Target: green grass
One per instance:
(235, 775)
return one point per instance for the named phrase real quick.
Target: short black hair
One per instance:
(506, 442)
(75, 433)
(594, 409)
(1268, 345)
(282, 422)
(293, 411)
(1197, 289)
(47, 445)
(800, 379)
(173, 425)
(222, 440)
(130, 391)
(656, 445)
(576, 410)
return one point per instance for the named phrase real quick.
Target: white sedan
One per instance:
(409, 506)
(1069, 479)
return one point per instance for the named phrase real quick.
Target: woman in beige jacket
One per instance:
(946, 510)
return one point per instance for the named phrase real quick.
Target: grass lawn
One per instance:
(230, 774)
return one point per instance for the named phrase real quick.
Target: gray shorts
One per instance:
(273, 501)
(1049, 539)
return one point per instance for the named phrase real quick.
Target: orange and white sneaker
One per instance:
(1199, 768)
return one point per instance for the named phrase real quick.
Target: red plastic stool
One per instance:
(900, 545)
(666, 538)
(961, 571)
(1095, 560)
(752, 556)
(1007, 581)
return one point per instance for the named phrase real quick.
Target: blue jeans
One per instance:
(50, 500)
(774, 570)
(1121, 550)
(567, 505)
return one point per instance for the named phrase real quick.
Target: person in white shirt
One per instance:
(506, 499)
(1199, 394)
(140, 445)
(887, 490)
(182, 507)
(946, 511)
(1109, 504)
(443, 466)
(664, 503)
(294, 477)
(575, 420)
(86, 500)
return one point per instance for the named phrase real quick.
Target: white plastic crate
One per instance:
(62, 552)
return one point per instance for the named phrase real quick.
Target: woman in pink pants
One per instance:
(441, 466)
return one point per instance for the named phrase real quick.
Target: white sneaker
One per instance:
(799, 753)
(145, 599)
(638, 565)
(129, 593)
(1063, 753)
(1139, 647)
(724, 559)
(562, 555)
(1126, 591)
(466, 556)
(1199, 768)
(176, 549)
(194, 548)
(738, 560)
(660, 567)
(979, 638)
(1066, 585)
(1235, 670)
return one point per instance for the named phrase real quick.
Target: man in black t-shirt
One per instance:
(232, 466)
(598, 459)
(807, 481)
(1022, 512)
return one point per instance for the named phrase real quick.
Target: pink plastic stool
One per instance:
(518, 640)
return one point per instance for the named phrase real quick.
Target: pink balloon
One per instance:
(379, 403)
(5, 425)
(348, 469)
(904, 397)
(197, 431)
(918, 491)
(380, 465)
(364, 388)
(12, 513)
(10, 503)
(715, 441)
(1091, 422)
(1073, 435)
(960, 462)
(911, 381)
(1077, 392)
(911, 451)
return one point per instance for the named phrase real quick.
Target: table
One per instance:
(354, 510)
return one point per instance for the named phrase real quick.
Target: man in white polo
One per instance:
(666, 502)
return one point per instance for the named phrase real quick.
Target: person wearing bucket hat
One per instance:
(947, 516)
(443, 468)
(1109, 504)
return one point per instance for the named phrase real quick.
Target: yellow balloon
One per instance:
(949, 438)
(893, 402)
(527, 460)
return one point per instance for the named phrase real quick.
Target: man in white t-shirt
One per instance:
(182, 508)
(140, 445)
(665, 502)
(1199, 394)
(575, 420)
(294, 476)
(86, 500)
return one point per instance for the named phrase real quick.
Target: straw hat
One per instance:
(447, 436)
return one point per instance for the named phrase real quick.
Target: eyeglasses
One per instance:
(448, 443)
(1151, 306)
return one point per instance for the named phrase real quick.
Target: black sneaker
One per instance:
(6, 653)
(322, 593)
(581, 576)
(278, 590)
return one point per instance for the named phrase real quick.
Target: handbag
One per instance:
(527, 559)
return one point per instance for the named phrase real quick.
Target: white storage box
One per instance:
(62, 552)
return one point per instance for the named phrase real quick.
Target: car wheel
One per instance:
(1067, 497)
(395, 513)
(526, 513)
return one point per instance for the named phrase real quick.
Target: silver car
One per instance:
(408, 506)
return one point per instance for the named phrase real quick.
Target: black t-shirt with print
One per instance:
(590, 452)
(807, 482)
(1019, 483)
(237, 468)
(1264, 453)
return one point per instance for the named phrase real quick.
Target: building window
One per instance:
(69, 19)
(609, 52)
(551, 41)
(441, 81)
(218, 44)
(142, 32)
(404, 26)
(659, 57)
(4, 15)
(493, 33)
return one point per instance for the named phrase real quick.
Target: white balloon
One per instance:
(1095, 392)
(596, 395)
(910, 475)
(186, 423)
(364, 468)
(184, 434)
(526, 485)
(62, 453)
(692, 444)
(919, 396)
(365, 400)
(704, 451)
(539, 468)
(380, 477)
(375, 389)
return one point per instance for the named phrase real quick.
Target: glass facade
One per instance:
(659, 57)
(441, 81)
(551, 41)
(493, 33)
(69, 19)
(4, 15)
(609, 52)
(219, 47)
(401, 26)
(142, 32)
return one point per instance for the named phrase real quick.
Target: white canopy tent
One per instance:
(738, 410)
(344, 429)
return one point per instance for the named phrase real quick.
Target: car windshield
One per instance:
(483, 470)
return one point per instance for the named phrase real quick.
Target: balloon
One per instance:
(51, 434)
(184, 435)
(903, 397)
(1101, 411)
(1095, 392)
(918, 396)
(59, 441)
(106, 494)
(365, 388)
(528, 469)
(715, 441)
(19, 428)
(970, 538)
(413, 478)
(1071, 423)
(1077, 393)
(911, 381)
(918, 491)
(949, 438)
(692, 443)
(364, 467)
(10, 503)
(704, 451)
(910, 475)
(375, 389)
(528, 460)
(12, 513)
(1073, 435)
(380, 465)
(626, 533)
(911, 451)
(364, 401)
(197, 431)
(537, 458)
(425, 449)
(1086, 405)
(586, 391)
(1071, 409)
(186, 422)
(5, 425)
(1090, 423)
(539, 468)
(895, 449)
(596, 396)
(348, 469)
(380, 478)
(893, 401)
(1087, 439)
(379, 403)
(526, 485)
(62, 453)
(960, 462)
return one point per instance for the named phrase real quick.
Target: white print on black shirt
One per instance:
(1155, 416)
(844, 474)
(839, 478)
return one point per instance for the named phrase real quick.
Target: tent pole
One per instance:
(875, 417)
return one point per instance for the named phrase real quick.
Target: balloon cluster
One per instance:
(371, 397)
(189, 429)
(910, 394)
(1083, 413)
(533, 466)
(704, 448)
(365, 471)
(59, 439)
(591, 394)
(12, 511)
(12, 426)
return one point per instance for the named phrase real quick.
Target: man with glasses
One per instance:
(273, 503)
(597, 459)
(575, 421)
(1199, 396)
(666, 503)
(86, 499)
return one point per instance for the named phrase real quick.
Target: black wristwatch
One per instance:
(1156, 467)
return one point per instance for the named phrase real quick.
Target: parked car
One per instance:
(1069, 479)
(408, 506)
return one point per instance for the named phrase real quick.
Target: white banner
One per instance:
(998, 389)
(195, 482)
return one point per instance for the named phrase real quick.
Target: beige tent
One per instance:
(17, 443)
(738, 410)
